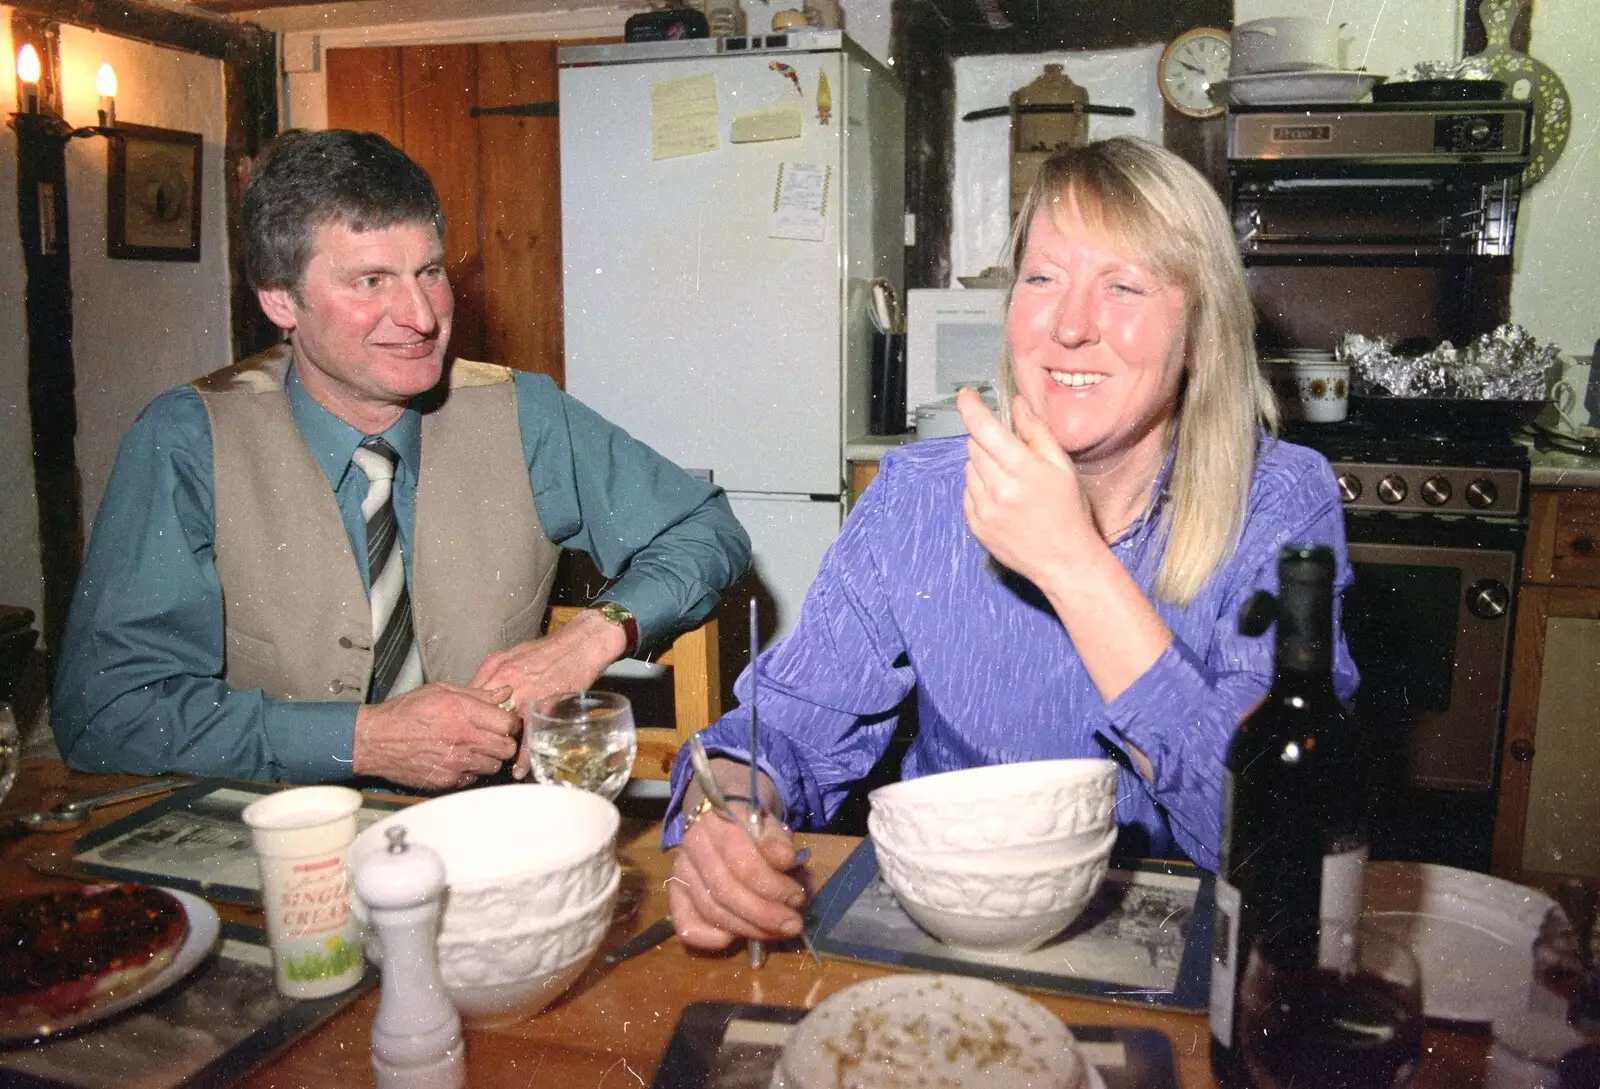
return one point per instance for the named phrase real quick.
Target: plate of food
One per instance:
(949, 1030)
(72, 957)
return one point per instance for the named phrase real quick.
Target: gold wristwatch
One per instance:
(619, 615)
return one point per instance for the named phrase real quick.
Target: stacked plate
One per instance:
(1298, 88)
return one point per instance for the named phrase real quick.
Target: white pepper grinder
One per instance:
(416, 1035)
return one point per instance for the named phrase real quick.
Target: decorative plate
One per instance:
(1527, 79)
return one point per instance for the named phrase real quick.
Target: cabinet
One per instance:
(1549, 810)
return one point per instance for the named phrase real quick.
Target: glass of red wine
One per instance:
(1353, 1021)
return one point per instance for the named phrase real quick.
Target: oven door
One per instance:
(1429, 626)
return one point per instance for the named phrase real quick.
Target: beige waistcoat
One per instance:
(297, 621)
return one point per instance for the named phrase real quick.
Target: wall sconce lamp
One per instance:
(28, 71)
(50, 124)
(105, 85)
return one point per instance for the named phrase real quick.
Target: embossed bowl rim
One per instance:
(998, 782)
(562, 920)
(1021, 855)
(979, 864)
(564, 826)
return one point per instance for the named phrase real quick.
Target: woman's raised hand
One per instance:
(1023, 500)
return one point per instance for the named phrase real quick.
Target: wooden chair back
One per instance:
(696, 694)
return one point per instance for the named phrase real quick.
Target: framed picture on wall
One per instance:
(153, 194)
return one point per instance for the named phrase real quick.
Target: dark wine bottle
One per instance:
(1294, 847)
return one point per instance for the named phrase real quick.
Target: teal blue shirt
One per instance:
(140, 687)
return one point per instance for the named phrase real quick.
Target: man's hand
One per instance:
(724, 887)
(435, 737)
(567, 660)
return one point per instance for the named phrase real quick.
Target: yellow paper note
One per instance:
(683, 116)
(772, 123)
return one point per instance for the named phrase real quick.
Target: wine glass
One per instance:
(1356, 1024)
(583, 739)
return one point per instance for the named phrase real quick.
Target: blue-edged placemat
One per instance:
(1144, 938)
(719, 1045)
(194, 839)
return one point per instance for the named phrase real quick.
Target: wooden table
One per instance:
(610, 1029)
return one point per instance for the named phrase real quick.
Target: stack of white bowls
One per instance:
(531, 878)
(1001, 858)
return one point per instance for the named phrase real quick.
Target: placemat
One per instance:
(194, 839)
(720, 1045)
(208, 1030)
(1145, 937)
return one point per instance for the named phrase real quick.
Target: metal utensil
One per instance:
(647, 939)
(758, 955)
(73, 813)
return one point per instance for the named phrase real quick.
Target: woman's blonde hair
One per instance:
(1166, 217)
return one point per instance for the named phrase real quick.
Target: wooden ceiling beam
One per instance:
(207, 34)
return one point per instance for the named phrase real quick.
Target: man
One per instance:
(331, 560)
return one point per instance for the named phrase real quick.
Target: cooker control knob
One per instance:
(1482, 494)
(1488, 599)
(1436, 491)
(1349, 487)
(1478, 131)
(1392, 488)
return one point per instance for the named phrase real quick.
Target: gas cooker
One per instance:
(1421, 474)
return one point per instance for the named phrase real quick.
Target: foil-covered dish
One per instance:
(1507, 364)
(1473, 67)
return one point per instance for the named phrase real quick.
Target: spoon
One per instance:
(73, 813)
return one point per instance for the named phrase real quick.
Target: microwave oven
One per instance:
(954, 338)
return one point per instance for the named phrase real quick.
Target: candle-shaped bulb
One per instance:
(105, 85)
(28, 71)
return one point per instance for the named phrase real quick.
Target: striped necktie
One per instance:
(396, 662)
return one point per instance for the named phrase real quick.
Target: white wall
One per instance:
(20, 580)
(1555, 291)
(139, 327)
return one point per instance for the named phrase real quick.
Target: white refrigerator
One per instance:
(725, 206)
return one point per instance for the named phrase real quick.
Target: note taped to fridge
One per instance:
(800, 205)
(772, 123)
(683, 116)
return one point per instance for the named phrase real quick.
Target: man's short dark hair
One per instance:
(305, 180)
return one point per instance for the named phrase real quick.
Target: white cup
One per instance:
(1569, 392)
(302, 837)
(1317, 392)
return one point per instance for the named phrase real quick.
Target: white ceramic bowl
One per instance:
(508, 978)
(990, 903)
(1002, 805)
(1289, 43)
(1016, 934)
(512, 854)
(1041, 853)
(502, 978)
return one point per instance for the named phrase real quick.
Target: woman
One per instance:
(1065, 586)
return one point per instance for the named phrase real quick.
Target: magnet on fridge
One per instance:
(788, 73)
(824, 99)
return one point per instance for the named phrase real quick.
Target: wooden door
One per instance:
(498, 177)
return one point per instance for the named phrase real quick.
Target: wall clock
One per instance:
(1190, 65)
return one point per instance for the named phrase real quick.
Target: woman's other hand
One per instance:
(1023, 500)
(725, 885)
